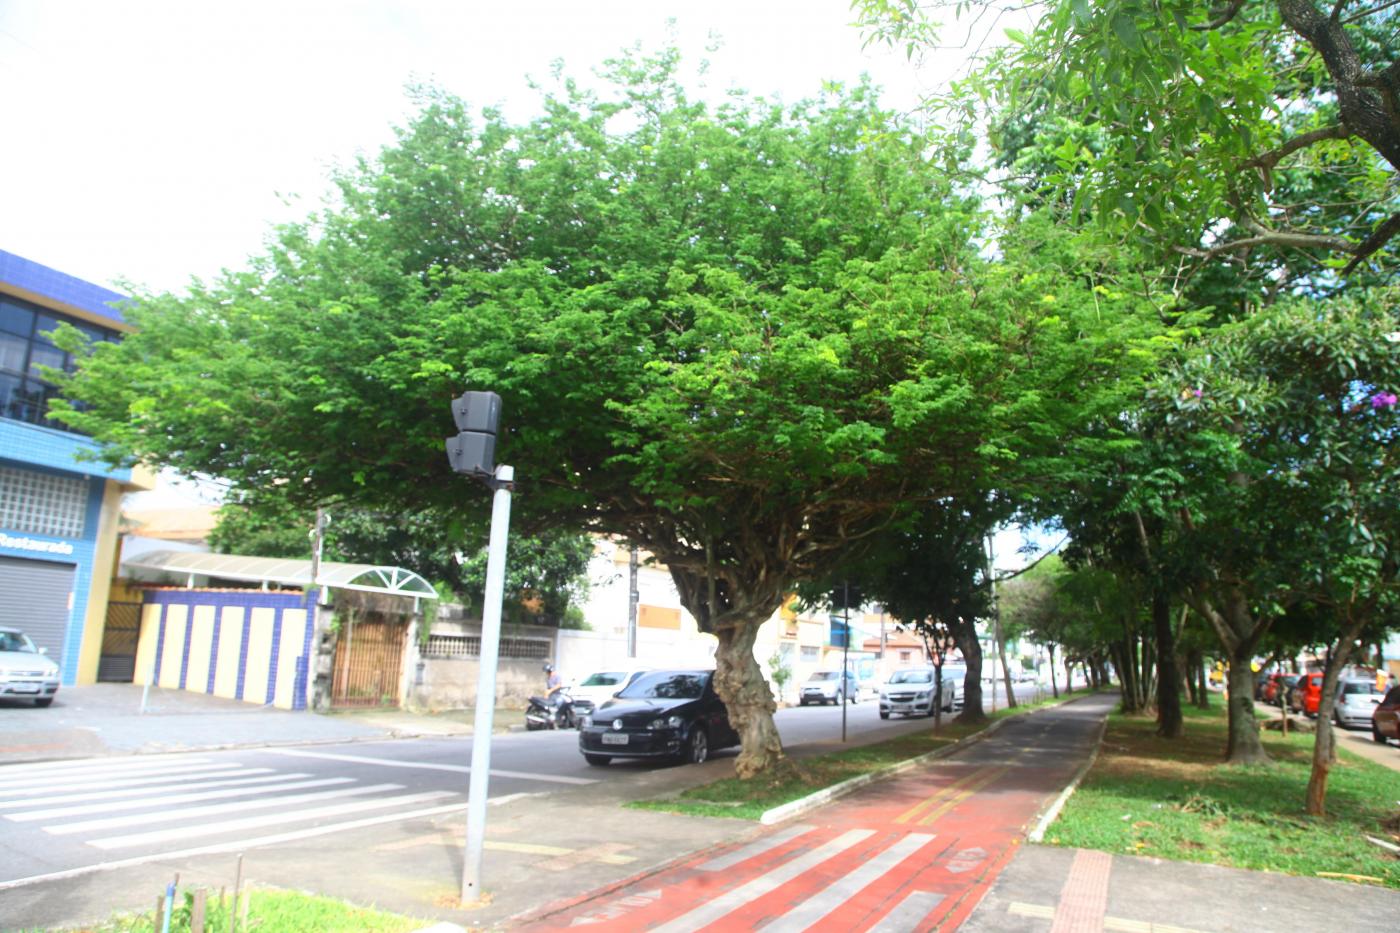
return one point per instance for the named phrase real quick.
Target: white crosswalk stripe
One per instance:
(114, 797)
(195, 800)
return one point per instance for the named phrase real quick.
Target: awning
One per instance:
(367, 578)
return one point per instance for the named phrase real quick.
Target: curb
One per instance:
(802, 805)
(1047, 817)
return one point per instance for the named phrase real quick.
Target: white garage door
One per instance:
(34, 596)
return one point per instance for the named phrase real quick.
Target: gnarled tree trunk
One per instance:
(1244, 745)
(740, 684)
(965, 634)
(1169, 721)
(1324, 744)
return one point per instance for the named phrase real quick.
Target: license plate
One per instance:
(24, 688)
(614, 738)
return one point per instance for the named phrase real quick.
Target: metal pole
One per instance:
(486, 685)
(845, 653)
(633, 597)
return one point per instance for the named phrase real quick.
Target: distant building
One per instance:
(59, 513)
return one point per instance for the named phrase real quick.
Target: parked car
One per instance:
(1385, 716)
(829, 687)
(912, 691)
(601, 686)
(1277, 686)
(25, 672)
(1356, 698)
(1308, 693)
(662, 714)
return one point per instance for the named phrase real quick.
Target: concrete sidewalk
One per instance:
(108, 719)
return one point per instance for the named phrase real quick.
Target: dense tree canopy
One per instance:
(743, 337)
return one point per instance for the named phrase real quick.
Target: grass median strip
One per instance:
(749, 800)
(1173, 799)
(267, 911)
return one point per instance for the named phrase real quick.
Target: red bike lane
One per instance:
(913, 852)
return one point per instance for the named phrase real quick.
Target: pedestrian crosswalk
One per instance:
(803, 877)
(144, 804)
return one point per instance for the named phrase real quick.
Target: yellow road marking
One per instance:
(963, 795)
(913, 812)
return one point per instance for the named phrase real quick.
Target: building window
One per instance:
(26, 347)
(42, 503)
(811, 653)
(904, 657)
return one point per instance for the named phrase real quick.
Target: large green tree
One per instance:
(1236, 132)
(742, 337)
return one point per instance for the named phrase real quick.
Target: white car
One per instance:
(829, 687)
(600, 686)
(912, 691)
(24, 671)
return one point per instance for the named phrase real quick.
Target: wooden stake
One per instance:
(197, 912)
(233, 905)
(160, 911)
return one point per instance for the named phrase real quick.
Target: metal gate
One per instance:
(368, 658)
(119, 637)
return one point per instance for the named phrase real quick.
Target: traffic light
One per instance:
(473, 450)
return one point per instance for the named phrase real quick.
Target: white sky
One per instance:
(152, 141)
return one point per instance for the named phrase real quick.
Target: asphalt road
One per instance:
(67, 817)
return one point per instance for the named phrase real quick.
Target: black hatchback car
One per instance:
(664, 714)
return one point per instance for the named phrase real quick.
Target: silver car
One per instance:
(24, 671)
(829, 687)
(913, 690)
(1356, 701)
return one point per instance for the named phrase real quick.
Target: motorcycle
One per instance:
(540, 715)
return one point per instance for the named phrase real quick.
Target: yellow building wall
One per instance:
(288, 650)
(230, 645)
(259, 656)
(173, 646)
(99, 588)
(146, 643)
(201, 645)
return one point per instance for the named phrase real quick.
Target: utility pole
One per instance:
(845, 653)
(633, 596)
(473, 452)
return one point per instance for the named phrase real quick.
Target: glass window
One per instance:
(42, 503)
(16, 319)
(12, 350)
(670, 685)
(824, 675)
(17, 641)
(912, 677)
(604, 679)
(45, 355)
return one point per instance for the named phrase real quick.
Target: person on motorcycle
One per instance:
(553, 683)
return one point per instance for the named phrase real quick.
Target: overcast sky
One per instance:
(153, 141)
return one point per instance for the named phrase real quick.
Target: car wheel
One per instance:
(596, 761)
(929, 714)
(855, 698)
(801, 702)
(43, 701)
(698, 748)
(884, 715)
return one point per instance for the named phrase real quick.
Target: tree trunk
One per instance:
(1001, 654)
(1127, 669)
(1325, 742)
(1054, 686)
(1198, 665)
(1244, 746)
(965, 634)
(740, 684)
(1169, 721)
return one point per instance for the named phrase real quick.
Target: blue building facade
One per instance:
(59, 512)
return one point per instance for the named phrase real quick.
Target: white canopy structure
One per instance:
(367, 578)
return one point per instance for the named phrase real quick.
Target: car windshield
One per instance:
(824, 675)
(1359, 687)
(604, 679)
(17, 641)
(912, 677)
(667, 685)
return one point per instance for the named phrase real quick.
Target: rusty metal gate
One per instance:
(119, 637)
(368, 658)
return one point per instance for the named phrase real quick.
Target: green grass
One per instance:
(270, 911)
(1174, 800)
(750, 799)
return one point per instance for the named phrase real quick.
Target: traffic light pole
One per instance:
(486, 685)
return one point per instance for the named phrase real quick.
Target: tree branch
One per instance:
(1272, 158)
(1222, 16)
(1383, 234)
